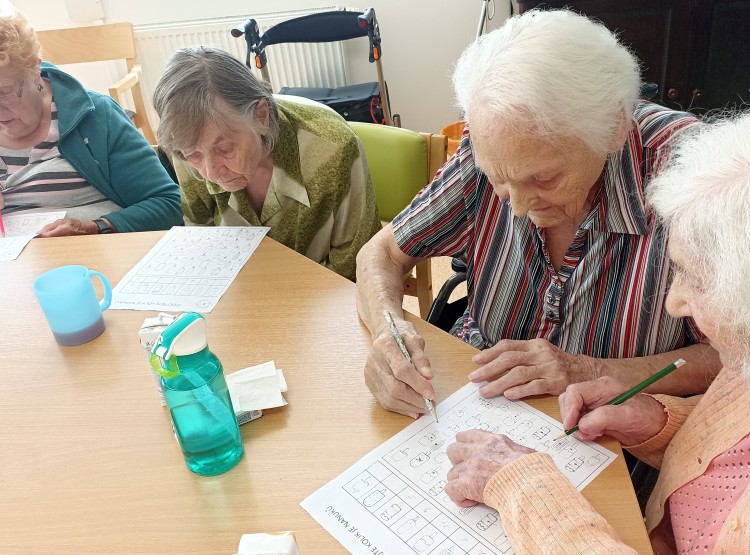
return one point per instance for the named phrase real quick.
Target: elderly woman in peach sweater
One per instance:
(701, 444)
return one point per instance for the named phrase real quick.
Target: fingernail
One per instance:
(473, 375)
(415, 416)
(427, 394)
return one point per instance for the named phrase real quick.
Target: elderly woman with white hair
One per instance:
(701, 501)
(544, 198)
(244, 157)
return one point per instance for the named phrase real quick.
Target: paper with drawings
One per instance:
(189, 269)
(22, 228)
(391, 502)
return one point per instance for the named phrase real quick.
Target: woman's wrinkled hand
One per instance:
(394, 382)
(636, 420)
(517, 369)
(68, 226)
(476, 456)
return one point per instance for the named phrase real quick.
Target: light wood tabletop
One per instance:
(88, 462)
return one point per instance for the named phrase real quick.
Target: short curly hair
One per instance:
(19, 47)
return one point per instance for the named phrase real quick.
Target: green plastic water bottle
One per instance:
(197, 396)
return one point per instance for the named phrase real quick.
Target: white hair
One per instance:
(554, 72)
(703, 197)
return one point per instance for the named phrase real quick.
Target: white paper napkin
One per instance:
(257, 387)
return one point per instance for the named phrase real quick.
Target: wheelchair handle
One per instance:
(367, 20)
(250, 29)
(367, 17)
(238, 31)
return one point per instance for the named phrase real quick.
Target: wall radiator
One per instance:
(291, 65)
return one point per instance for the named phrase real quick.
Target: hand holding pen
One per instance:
(407, 357)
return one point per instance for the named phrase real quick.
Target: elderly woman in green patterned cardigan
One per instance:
(243, 157)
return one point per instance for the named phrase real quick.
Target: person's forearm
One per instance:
(380, 280)
(678, 410)
(702, 366)
(542, 512)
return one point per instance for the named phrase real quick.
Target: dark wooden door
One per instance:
(656, 31)
(697, 51)
(719, 74)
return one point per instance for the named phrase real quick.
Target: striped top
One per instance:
(39, 179)
(606, 301)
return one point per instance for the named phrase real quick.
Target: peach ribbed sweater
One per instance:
(542, 513)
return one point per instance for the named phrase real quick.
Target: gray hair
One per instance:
(703, 197)
(187, 93)
(552, 72)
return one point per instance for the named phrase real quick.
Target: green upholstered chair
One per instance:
(401, 163)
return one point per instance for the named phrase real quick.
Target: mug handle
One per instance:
(107, 300)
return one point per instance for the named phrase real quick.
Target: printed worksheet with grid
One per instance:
(22, 228)
(392, 500)
(189, 269)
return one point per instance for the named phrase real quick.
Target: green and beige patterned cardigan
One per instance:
(320, 201)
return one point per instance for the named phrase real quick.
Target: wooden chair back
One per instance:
(99, 43)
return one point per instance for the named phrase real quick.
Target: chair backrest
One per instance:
(97, 43)
(100, 43)
(401, 163)
(317, 27)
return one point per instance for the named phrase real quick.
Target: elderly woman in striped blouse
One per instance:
(544, 198)
(701, 444)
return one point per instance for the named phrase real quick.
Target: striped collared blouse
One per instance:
(606, 301)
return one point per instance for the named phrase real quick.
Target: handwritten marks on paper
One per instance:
(22, 228)
(392, 500)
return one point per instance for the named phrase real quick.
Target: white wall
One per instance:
(421, 39)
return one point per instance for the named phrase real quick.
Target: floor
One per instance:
(441, 271)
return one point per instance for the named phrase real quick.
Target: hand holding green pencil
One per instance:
(633, 391)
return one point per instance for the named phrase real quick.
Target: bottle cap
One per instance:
(185, 336)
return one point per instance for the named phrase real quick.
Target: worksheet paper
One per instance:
(22, 228)
(189, 269)
(391, 502)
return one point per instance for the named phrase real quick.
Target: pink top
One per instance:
(699, 508)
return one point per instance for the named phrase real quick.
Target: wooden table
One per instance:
(88, 462)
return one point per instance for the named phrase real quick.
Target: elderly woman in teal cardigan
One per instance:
(65, 148)
(243, 157)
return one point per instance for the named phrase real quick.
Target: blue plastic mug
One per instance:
(69, 302)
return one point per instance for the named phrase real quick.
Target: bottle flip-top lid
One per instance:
(185, 336)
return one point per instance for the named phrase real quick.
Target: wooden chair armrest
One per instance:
(126, 83)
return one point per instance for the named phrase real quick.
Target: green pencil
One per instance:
(633, 390)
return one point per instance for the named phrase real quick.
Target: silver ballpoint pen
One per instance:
(407, 356)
